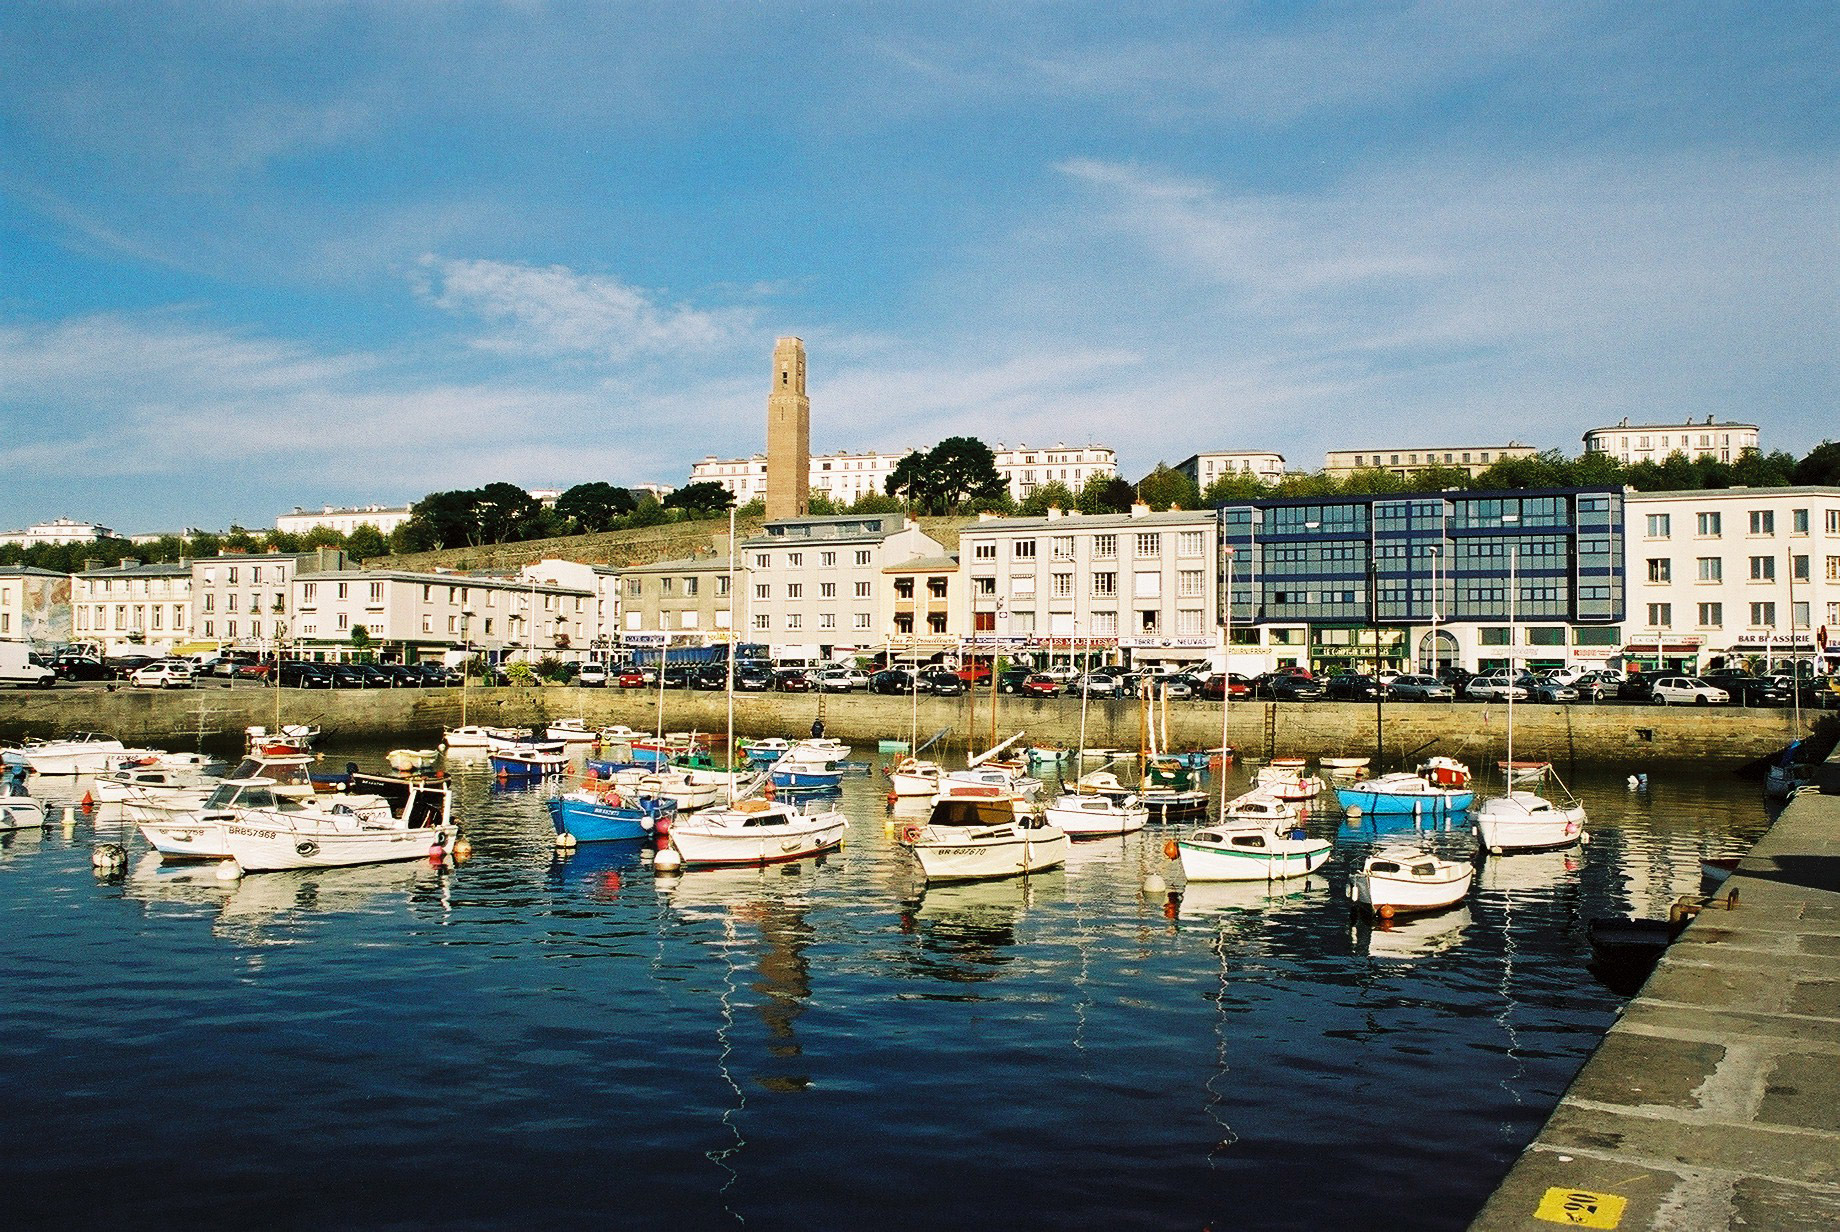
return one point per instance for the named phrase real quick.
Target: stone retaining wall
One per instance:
(1621, 735)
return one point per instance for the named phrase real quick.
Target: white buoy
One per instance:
(1634, 782)
(566, 841)
(667, 860)
(229, 870)
(1354, 812)
(1154, 884)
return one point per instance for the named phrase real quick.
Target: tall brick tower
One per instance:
(788, 433)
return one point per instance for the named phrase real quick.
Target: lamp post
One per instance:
(1373, 627)
(1437, 596)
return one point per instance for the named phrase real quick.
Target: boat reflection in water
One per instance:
(1201, 899)
(245, 906)
(599, 871)
(1382, 825)
(967, 930)
(1409, 936)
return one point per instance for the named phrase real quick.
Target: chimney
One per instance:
(129, 562)
(91, 565)
(1054, 513)
(1139, 509)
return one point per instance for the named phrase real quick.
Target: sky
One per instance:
(260, 255)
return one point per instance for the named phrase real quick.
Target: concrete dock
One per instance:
(1714, 1102)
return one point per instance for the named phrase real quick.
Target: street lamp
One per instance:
(1435, 552)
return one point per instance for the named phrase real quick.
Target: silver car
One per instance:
(1420, 689)
(1494, 688)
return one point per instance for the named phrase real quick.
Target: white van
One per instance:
(16, 667)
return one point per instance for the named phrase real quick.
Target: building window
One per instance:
(1063, 547)
(1763, 568)
(763, 622)
(936, 622)
(795, 590)
(983, 551)
(1191, 543)
(1711, 569)
(1658, 524)
(828, 590)
(1105, 547)
(763, 590)
(827, 620)
(984, 586)
(667, 586)
(936, 587)
(762, 560)
(860, 621)
(795, 560)
(1105, 583)
(1798, 521)
(1833, 568)
(1147, 584)
(1798, 614)
(1149, 545)
(1711, 615)
(903, 622)
(1660, 570)
(1105, 624)
(983, 622)
(794, 621)
(863, 590)
(1189, 583)
(1763, 521)
(1063, 586)
(827, 560)
(1188, 621)
(1023, 549)
(1709, 525)
(635, 587)
(1763, 615)
(690, 589)
(1148, 620)
(1798, 568)
(722, 585)
(1661, 615)
(862, 557)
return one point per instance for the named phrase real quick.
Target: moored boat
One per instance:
(571, 731)
(1441, 787)
(756, 832)
(601, 814)
(980, 838)
(410, 761)
(19, 809)
(1249, 848)
(77, 753)
(1088, 816)
(1527, 821)
(263, 840)
(1395, 880)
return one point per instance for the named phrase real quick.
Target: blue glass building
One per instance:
(1419, 580)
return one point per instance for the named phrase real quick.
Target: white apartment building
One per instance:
(1411, 460)
(923, 610)
(384, 518)
(1657, 442)
(1751, 574)
(422, 614)
(1142, 582)
(845, 476)
(132, 607)
(687, 600)
(601, 580)
(816, 588)
(34, 604)
(1205, 468)
(243, 601)
(58, 530)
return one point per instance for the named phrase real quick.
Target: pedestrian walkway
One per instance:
(1714, 1102)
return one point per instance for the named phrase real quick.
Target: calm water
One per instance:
(528, 1042)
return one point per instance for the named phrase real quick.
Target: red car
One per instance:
(1212, 686)
(1041, 686)
(631, 679)
(253, 671)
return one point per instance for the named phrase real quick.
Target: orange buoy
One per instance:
(1384, 911)
(89, 802)
(1171, 850)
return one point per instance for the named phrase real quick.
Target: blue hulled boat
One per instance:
(1440, 787)
(798, 776)
(605, 816)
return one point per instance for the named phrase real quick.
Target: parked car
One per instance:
(125, 665)
(753, 677)
(1595, 686)
(712, 677)
(941, 682)
(1352, 687)
(674, 678)
(1636, 687)
(1495, 687)
(1093, 684)
(435, 676)
(792, 680)
(1457, 678)
(402, 676)
(1686, 690)
(1420, 689)
(841, 680)
(1285, 686)
(1215, 687)
(892, 681)
(1012, 679)
(373, 676)
(1548, 689)
(299, 674)
(345, 675)
(631, 678)
(81, 667)
(1040, 684)
(262, 671)
(593, 676)
(165, 674)
(1747, 690)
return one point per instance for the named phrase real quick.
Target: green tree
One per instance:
(1106, 494)
(707, 499)
(1549, 469)
(360, 637)
(1307, 483)
(443, 520)
(593, 507)
(1168, 488)
(1050, 495)
(964, 473)
(504, 513)
(912, 481)
(649, 513)
(366, 541)
(1756, 469)
(874, 502)
(1438, 479)
(758, 507)
(1372, 481)
(1821, 466)
(1597, 469)
(1235, 486)
(820, 504)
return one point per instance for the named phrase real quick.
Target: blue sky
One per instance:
(259, 255)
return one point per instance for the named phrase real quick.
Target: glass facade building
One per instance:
(1422, 574)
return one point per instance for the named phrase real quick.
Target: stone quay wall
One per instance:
(1638, 737)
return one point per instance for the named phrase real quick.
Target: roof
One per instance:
(27, 571)
(1734, 492)
(438, 579)
(1100, 521)
(156, 570)
(688, 564)
(1675, 426)
(923, 564)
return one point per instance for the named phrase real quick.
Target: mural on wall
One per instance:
(35, 606)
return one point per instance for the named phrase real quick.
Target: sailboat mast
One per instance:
(1514, 560)
(733, 645)
(1226, 686)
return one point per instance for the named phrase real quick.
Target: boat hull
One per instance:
(1505, 825)
(1272, 857)
(770, 836)
(1434, 802)
(260, 847)
(1385, 895)
(1075, 817)
(1005, 851)
(596, 821)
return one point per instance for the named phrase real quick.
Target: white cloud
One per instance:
(553, 311)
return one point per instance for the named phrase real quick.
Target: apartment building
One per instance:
(58, 530)
(685, 600)
(133, 607)
(423, 615)
(1657, 442)
(845, 476)
(1411, 461)
(1205, 468)
(34, 605)
(244, 601)
(817, 588)
(1026, 468)
(603, 581)
(923, 606)
(384, 518)
(1472, 579)
(1746, 575)
(1143, 584)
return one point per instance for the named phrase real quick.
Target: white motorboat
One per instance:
(1395, 880)
(1343, 767)
(286, 738)
(678, 786)
(1288, 782)
(914, 777)
(1524, 773)
(1003, 778)
(287, 775)
(1259, 807)
(19, 809)
(200, 832)
(77, 753)
(1259, 843)
(617, 733)
(511, 740)
(261, 840)
(1528, 821)
(1102, 783)
(756, 832)
(820, 749)
(470, 737)
(412, 761)
(1095, 816)
(979, 838)
(571, 731)
(141, 782)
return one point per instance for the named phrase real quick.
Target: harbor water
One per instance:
(531, 1041)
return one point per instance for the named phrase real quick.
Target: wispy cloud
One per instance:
(554, 311)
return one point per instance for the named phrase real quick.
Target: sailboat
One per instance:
(1525, 820)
